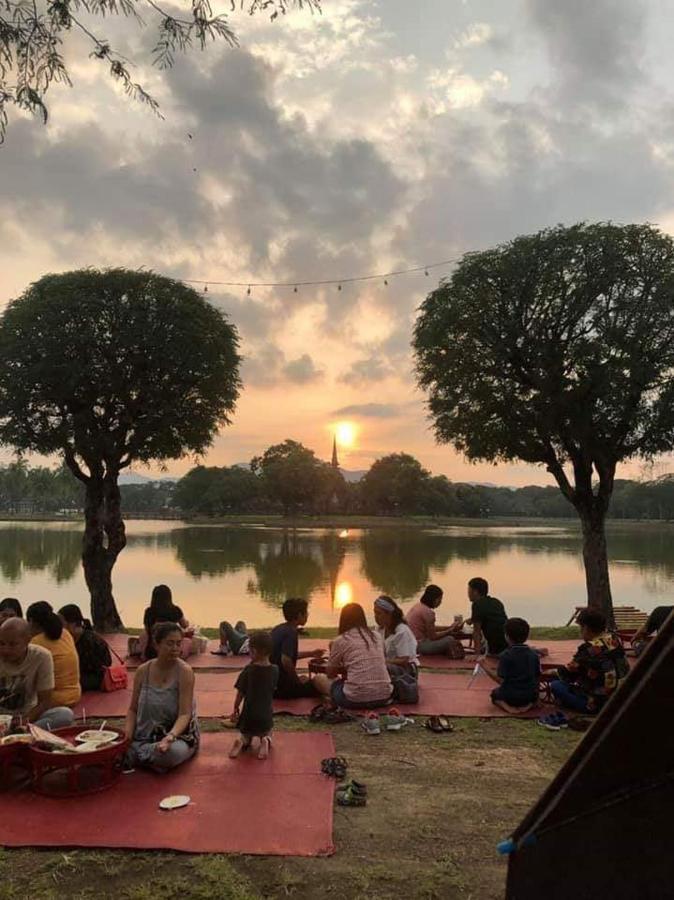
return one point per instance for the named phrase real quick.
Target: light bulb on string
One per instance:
(248, 291)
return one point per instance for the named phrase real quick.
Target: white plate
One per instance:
(174, 802)
(95, 736)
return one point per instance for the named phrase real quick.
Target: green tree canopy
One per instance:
(108, 368)
(216, 491)
(293, 477)
(557, 348)
(394, 484)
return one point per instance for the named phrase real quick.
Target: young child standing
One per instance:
(255, 688)
(519, 670)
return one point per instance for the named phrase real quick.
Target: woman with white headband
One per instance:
(400, 643)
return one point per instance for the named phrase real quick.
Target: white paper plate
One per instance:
(176, 801)
(94, 736)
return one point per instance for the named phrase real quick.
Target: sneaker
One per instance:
(370, 724)
(349, 797)
(394, 722)
(554, 722)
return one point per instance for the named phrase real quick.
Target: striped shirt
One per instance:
(361, 656)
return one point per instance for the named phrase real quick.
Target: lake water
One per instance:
(219, 572)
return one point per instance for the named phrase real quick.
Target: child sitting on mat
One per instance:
(519, 671)
(255, 687)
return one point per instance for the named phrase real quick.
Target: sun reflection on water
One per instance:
(343, 594)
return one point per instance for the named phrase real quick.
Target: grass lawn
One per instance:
(438, 805)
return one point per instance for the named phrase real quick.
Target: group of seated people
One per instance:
(48, 659)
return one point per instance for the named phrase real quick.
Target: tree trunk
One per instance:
(595, 558)
(104, 539)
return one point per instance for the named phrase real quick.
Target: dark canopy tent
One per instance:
(605, 826)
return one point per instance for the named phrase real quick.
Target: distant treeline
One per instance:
(28, 490)
(288, 479)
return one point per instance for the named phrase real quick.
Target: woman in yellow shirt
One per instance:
(48, 632)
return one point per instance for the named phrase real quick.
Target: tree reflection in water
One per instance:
(283, 562)
(36, 549)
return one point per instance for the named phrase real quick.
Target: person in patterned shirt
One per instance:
(596, 670)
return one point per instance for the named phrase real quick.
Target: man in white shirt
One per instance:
(27, 679)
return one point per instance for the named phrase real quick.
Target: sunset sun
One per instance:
(346, 434)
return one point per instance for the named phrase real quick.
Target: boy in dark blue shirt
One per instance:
(519, 670)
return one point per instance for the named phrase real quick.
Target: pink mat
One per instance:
(119, 643)
(440, 694)
(560, 652)
(281, 806)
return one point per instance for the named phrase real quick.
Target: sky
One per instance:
(380, 135)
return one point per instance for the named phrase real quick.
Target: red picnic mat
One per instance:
(450, 693)
(280, 806)
(559, 653)
(208, 660)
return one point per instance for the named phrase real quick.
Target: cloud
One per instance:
(365, 140)
(595, 49)
(302, 370)
(366, 371)
(268, 367)
(261, 369)
(370, 410)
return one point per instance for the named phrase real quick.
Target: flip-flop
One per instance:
(334, 767)
(317, 714)
(338, 717)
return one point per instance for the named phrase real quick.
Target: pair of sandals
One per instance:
(353, 793)
(439, 724)
(330, 715)
(334, 767)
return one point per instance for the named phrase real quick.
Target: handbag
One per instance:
(405, 688)
(116, 676)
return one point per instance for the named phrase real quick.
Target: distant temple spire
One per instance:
(335, 461)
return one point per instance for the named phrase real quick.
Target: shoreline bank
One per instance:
(355, 522)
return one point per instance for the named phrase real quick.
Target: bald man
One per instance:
(27, 679)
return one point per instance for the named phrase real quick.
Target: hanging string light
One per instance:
(339, 282)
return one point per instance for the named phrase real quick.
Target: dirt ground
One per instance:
(437, 807)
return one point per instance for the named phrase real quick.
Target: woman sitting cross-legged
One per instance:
(400, 645)
(356, 676)
(162, 721)
(92, 650)
(432, 641)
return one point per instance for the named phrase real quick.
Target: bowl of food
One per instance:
(67, 762)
